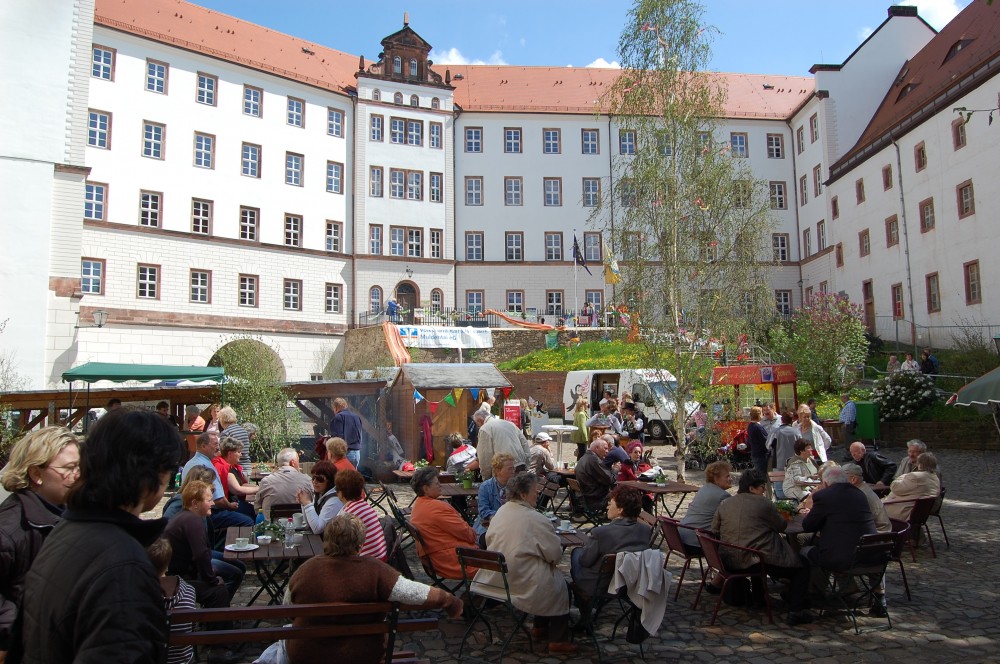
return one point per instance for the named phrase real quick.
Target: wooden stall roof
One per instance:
(447, 376)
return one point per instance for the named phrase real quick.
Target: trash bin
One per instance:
(551, 340)
(867, 420)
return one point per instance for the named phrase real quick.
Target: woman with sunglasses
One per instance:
(323, 504)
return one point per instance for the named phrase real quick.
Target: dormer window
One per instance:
(955, 48)
(413, 68)
(376, 95)
(397, 66)
(907, 89)
(414, 101)
(435, 103)
(398, 99)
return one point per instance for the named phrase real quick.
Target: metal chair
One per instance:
(871, 557)
(713, 562)
(594, 515)
(670, 528)
(428, 564)
(650, 520)
(492, 561)
(919, 514)
(901, 530)
(601, 598)
(936, 512)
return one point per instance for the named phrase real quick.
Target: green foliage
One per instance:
(588, 355)
(901, 395)
(10, 381)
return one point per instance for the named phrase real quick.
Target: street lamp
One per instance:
(100, 319)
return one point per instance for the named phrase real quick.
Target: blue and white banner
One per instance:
(430, 336)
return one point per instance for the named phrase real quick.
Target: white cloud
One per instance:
(453, 56)
(601, 63)
(938, 12)
(864, 33)
(523, 42)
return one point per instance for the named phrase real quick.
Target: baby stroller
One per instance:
(738, 451)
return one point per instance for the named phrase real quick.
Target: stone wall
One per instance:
(972, 435)
(544, 386)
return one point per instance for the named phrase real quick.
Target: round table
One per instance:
(558, 430)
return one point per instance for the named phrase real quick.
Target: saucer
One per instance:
(570, 531)
(249, 547)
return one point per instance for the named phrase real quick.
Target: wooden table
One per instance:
(457, 489)
(271, 560)
(403, 475)
(660, 492)
(569, 540)
(565, 472)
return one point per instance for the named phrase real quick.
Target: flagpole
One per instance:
(576, 289)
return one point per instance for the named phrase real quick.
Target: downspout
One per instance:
(906, 244)
(611, 197)
(457, 112)
(354, 220)
(795, 199)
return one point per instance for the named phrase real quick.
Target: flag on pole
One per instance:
(578, 257)
(612, 275)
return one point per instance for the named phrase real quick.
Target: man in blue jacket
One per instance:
(346, 424)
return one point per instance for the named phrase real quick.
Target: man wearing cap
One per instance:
(542, 463)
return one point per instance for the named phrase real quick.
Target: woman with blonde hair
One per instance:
(43, 466)
(809, 430)
(336, 453)
(580, 436)
(210, 416)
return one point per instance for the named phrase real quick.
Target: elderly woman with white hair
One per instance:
(922, 482)
(808, 429)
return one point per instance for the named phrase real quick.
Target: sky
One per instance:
(754, 36)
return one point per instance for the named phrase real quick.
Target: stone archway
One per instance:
(408, 299)
(253, 352)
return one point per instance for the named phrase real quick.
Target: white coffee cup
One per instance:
(263, 540)
(242, 543)
(565, 525)
(298, 520)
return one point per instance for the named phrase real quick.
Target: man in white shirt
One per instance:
(498, 436)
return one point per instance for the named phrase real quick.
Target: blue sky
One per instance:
(755, 36)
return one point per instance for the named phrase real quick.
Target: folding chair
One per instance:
(425, 560)
(713, 559)
(936, 512)
(492, 561)
(377, 495)
(595, 516)
(871, 557)
(901, 530)
(672, 537)
(546, 495)
(601, 598)
(650, 520)
(919, 514)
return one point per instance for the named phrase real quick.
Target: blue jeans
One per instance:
(354, 456)
(231, 572)
(223, 519)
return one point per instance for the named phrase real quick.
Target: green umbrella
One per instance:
(983, 393)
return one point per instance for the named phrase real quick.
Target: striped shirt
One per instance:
(374, 545)
(183, 599)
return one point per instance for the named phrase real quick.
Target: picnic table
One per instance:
(660, 493)
(272, 561)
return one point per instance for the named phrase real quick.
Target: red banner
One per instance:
(512, 413)
(754, 374)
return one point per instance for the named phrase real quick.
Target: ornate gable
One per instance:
(404, 58)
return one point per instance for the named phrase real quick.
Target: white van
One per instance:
(652, 390)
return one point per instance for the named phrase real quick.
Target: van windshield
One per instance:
(664, 390)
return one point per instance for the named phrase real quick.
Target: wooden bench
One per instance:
(390, 626)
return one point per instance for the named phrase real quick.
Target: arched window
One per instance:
(376, 95)
(414, 100)
(413, 68)
(397, 65)
(437, 299)
(435, 103)
(398, 99)
(376, 299)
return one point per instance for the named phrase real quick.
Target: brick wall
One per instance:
(544, 386)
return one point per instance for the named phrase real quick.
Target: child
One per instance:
(177, 594)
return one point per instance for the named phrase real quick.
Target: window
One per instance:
(958, 137)
(474, 301)
(553, 303)
(920, 156)
(808, 297)
(631, 245)
(376, 128)
(249, 222)
(973, 289)
(966, 199)
(153, 136)
(591, 192)
(250, 160)
(92, 276)
(437, 300)
(201, 287)
(817, 180)
(473, 139)
(783, 301)
(292, 295)
(512, 140)
(296, 112)
(99, 130)
(156, 76)
(933, 293)
(596, 299)
(515, 301)
(334, 177)
(835, 207)
(413, 68)
(551, 141)
(333, 299)
(375, 181)
(293, 230)
(473, 190)
(474, 246)
(887, 177)
(94, 200)
(397, 99)
(397, 66)
(807, 243)
(376, 95)
(514, 246)
(626, 141)
(437, 236)
(252, 98)
(512, 190)
(800, 140)
(778, 199)
(738, 144)
(864, 242)
(334, 234)
(437, 188)
(775, 146)
(375, 240)
(150, 206)
(396, 241)
(397, 130)
(103, 63)
(248, 290)
(824, 287)
(813, 128)
(628, 193)
(779, 244)
(414, 133)
(553, 246)
(204, 150)
(820, 235)
(839, 252)
(589, 141)
(435, 103)
(435, 130)
(148, 282)
(397, 183)
(553, 191)
(665, 144)
(897, 301)
(334, 122)
(592, 247)
(859, 191)
(742, 193)
(414, 243)
(207, 85)
(926, 215)
(375, 299)
(803, 190)
(293, 169)
(891, 231)
(201, 216)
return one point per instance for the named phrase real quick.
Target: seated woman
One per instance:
(336, 451)
(350, 490)
(624, 533)
(442, 528)
(343, 574)
(800, 472)
(532, 549)
(462, 456)
(706, 502)
(173, 506)
(233, 479)
(921, 483)
(634, 466)
(322, 504)
(492, 493)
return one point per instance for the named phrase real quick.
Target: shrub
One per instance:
(902, 395)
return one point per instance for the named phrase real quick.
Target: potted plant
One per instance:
(466, 477)
(274, 529)
(787, 509)
(420, 463)
(661, 479)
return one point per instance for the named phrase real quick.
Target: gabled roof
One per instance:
(929, 83)
(221, 36)
(407, 36)
(448, 376)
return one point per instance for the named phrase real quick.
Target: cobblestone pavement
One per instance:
(953, 615)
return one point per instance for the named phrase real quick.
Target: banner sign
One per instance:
(430, 336)
(512, 413)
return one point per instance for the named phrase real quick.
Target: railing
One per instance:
(463, 317)
(897, 333)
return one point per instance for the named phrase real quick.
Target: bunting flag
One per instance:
(578, 257)
(450, 399)
(505, 391)
(458, 394)
(491, 392)
(433, 406)
(417, 397)
(474, 391)
(612, 275)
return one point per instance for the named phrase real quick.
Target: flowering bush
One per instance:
(903, 394)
